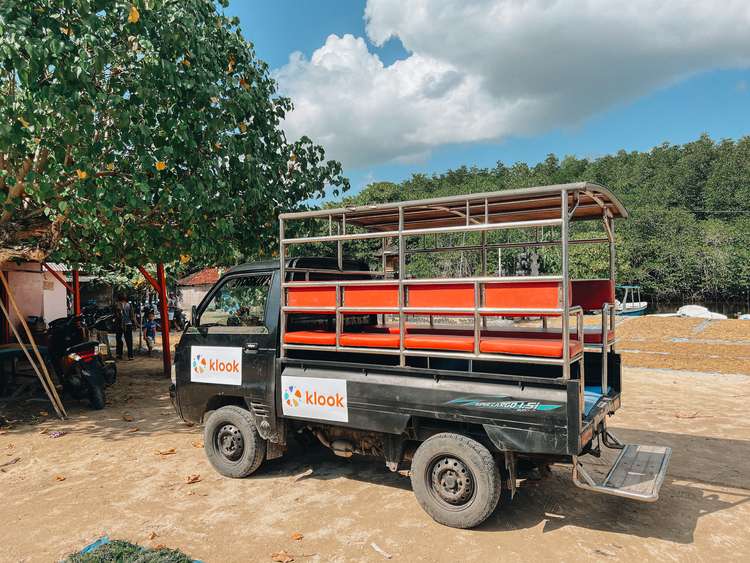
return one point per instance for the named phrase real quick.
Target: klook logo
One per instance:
(312, 397)
(199, 364)
(216, 364)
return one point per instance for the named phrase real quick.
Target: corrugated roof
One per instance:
(57, 267)
(207, 276)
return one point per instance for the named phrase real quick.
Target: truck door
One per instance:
(233, 342)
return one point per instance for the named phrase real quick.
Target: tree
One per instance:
(142, 131)
(688, 235)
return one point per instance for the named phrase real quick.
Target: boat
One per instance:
(631, 304)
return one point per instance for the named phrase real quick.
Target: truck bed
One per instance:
(520, 413)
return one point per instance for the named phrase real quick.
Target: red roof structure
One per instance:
(207, 276)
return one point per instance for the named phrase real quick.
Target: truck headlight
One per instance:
(173, 374)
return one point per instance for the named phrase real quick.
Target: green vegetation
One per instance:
(688, 235)
(119, 551)
(142, 131)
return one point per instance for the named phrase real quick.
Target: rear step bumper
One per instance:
(637, 473)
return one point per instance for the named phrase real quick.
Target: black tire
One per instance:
(456, 480)
(232, 443)
(96, 397)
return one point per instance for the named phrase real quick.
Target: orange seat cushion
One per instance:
(318, 337)
(439, 342)
(541, 347)
(369, 339)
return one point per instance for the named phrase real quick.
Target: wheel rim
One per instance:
(229, 442)
(451, 482)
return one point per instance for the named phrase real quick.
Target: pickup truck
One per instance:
(326, 348)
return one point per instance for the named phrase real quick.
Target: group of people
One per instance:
(125, 322)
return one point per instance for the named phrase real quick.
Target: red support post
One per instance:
(76, 293)
(160, 285)
(164, 311)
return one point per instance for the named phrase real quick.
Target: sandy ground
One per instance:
(106, 476)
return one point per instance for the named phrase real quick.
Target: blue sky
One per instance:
(713, 97)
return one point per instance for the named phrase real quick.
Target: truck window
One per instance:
(238, 302)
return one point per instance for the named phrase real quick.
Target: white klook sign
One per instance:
(313, 397)
(216, 364)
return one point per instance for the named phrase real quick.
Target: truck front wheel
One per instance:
(232, 443)
(455, 480)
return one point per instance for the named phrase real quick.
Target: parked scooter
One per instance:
(77, 361)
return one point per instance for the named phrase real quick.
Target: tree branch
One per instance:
(16, 189)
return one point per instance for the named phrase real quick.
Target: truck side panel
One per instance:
(518, 415)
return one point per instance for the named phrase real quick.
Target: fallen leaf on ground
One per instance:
(190, 479)
(297, 536)
(170, 451)
(152, 535)
(282, 557)
(197, 444)
(59, 478)
(160, 546)
(381, 551)
(44, 430)
(127, 418)
(131, 430)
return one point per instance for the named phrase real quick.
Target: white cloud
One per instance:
(487, 69)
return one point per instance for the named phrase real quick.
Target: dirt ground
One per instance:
(123, 471)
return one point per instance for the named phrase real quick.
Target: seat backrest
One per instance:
(591, 295)
(318, 296)
(429, 296)
(371, 296)
(531, 294)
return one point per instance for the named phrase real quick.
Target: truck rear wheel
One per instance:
(232, 443)
(455, 480)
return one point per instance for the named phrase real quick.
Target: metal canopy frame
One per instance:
(527, 208)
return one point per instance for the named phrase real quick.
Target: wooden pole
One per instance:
(54, 398)
(38, 354)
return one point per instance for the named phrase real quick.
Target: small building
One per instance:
(37, 294)
(193, 288)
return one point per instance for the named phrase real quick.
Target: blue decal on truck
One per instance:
(503, 403)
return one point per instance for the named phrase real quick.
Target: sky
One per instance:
(393, 88)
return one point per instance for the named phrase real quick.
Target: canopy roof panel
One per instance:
(586, 201)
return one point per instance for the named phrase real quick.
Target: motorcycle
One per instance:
(77, 361)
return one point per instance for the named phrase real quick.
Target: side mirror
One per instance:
(193, 315)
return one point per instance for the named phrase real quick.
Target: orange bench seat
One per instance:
(451, 342)
(544, 346)
(539, 347)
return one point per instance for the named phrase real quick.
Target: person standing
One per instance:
(149, 331)
(124, 323)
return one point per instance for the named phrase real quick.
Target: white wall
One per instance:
(27, 289)
(192, 295)
(55, 298)
(37, 292)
